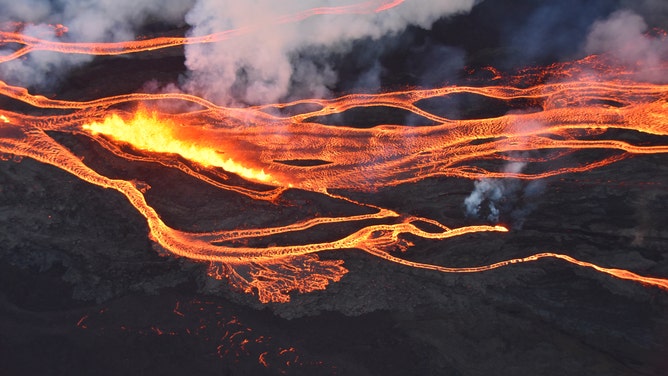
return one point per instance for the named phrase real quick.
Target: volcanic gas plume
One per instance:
(263, 150)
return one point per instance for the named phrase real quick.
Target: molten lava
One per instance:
(147, 132)
(568, 115)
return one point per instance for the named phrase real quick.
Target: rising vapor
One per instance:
(85, 21)
(272, 60)
(277, 61)
(510, 200)
(623, 35)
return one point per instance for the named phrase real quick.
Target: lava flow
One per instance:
(265, 147)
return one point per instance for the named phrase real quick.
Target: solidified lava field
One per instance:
(85, 289)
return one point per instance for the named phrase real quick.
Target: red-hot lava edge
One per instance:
(573, 111)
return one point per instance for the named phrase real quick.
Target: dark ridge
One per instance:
(10, 132)
(297, 109)
(426, 226)
(303, 162)
(111, 75)
(481, 141)
(631, 136)
(608, 102)
(16, 105)
(469, 106)
(368, 117)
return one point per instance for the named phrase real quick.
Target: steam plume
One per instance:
(623, 35)
(274, 62)
(86, 21)
(510, 200)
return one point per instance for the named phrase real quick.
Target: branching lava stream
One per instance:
(568, 115)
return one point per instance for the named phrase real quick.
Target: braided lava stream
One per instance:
(263, 145)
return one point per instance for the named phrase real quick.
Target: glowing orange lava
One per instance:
(255, 142)
(147, 132)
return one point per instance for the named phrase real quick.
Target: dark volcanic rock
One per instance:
(74, 251)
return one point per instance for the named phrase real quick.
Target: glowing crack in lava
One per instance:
(255, 143)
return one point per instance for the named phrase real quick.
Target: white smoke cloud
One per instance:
(489, 196)
(484, 190)
(274, 62)
(509, 198)
(86, 21)
(95, 21)
(623, 36)
(270, 62)
(25, 11)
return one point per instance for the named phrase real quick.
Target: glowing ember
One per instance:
(254, 143)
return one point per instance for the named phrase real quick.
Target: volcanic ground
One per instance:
(83, 291)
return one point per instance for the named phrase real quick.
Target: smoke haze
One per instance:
(623, 35)
(620, 34)
(322, 54)
(281, 61)
(86, 21)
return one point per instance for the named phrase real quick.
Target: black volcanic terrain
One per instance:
(84, 291)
